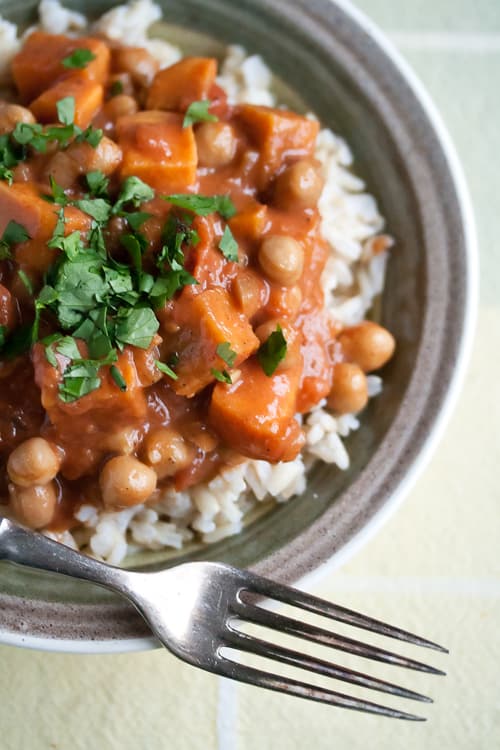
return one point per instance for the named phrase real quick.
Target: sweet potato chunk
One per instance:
(255, 415)
(187, 81)
(278, 134)
(158, 149)
(88, 97)
(21, 202)
(38, 65)
(206, 320)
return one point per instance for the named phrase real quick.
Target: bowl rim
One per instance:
(421, 459)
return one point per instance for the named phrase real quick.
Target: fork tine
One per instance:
(283, 624)
(236, 671)
(245, 642)
(288, 595)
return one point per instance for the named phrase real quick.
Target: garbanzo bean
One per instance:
(119, 106)
(299, 186)
(33, 462)
(167, 452)
(249, 291)
(367, 344)
(106, 157)
(216, 144)
(126, 481)
(34, 506)
(282, 259)
(11, 114)
(350, 389)
(137, 62)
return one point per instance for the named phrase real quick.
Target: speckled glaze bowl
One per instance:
(346, 72)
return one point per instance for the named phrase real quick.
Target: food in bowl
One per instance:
(186, 271)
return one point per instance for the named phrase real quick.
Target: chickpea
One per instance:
(216, 144)
(137, 62)
(299, 186)
(11, 114)
(350, 389)
(34, 506)
(367, 344)
(249, 291)
(33, 462)
(282, 259)
(64, 170)
(126, 481)
(106, 157)
(167, 452)
(119, 106)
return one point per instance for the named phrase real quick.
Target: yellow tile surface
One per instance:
(434, 567)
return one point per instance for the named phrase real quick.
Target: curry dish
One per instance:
(161, 311)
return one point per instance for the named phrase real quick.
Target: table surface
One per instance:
(434, 567)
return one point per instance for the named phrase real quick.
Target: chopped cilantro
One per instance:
(132, 243)
(166, 369)
(80, 58)
(66, 110)
(221, 375)
(26, 280)
(116, 88)
(118, 378)
(98, 208)
(198, 112)
(68, 347)
(227, 354)
(57, 193)
(136, 219)
(91, 135)
(203, 205)
(136, 326)
(13, 234)
(133, 190)
(228, 245)
(272, 351)
(3, 335)
(98, 184)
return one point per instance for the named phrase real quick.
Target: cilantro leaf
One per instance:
(3, 335)
(70, 245)
(136, 219)
(66, 110)
(98, 208)
(203, 205)
(26, 280)
(118, 378)
(13, 234)
(198, 112)
(98, 183)
(134, 190)
(132, 243)
(67, 346)
(74, 386)
(57, 193)
(221, 375)
(116, 88)
(228, 245)
(166, 369)
(80, 58)
(136, 326)
(227, 354)
(91, 135)
(272, 351)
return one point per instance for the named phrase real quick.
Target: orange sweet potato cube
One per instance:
(189, 80)
(38, 65)
(278, 134)
(255, 415)
(88, 97)
(206, 320)
(158, 149)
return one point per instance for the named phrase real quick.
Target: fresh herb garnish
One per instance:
(118, 378)
(3, 335)
(98, 184)
(227, 354)
(203, 205)
(26, 280)
(198, 112)
(116, 88)
(98, 208)
(166, 369)
(66, 110)
(272, 351)
(228, 245)
(79, 59)
(13, 234)
(221, 375)
(136, 326)
(135, 191)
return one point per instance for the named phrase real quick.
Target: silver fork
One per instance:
(195, 609)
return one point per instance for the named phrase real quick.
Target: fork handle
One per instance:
(24, 547)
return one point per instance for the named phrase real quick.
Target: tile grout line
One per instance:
(446, 41)
(227, 714)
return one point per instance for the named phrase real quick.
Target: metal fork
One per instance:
(196, 610)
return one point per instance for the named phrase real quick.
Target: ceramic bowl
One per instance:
(346, 72)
